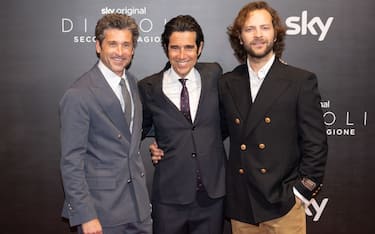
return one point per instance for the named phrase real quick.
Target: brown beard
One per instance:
(251, 52)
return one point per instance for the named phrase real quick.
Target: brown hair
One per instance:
(116, 21)
(234, 31)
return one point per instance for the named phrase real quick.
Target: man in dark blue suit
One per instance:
(101, 119)
(181, 104)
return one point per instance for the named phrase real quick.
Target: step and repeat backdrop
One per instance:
(46, 44)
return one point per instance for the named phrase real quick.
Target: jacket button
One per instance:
(263, 170)
(129, 181)
(267, 120)
(237, 121)
(193, 155)
(243, 147)
(262, 146)
(241, 171)
(142, 174)
(119, 136)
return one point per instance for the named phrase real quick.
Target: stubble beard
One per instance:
(261, 55)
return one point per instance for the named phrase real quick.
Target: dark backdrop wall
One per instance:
(46, 44)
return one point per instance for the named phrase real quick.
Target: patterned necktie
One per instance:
(184, 100)
(127, 101)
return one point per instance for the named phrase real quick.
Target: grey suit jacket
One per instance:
(101, 167)
(187, 146)
(275, 142)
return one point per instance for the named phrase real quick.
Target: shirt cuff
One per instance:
(302, 198)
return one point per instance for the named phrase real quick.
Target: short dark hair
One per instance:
(116, 21)
(181, 23)
(234, 30)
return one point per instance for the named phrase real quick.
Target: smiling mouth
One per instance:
(118, 59)
(183, 63)
(258, 43)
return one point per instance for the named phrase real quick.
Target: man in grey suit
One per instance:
(102, 170)
(181, 103)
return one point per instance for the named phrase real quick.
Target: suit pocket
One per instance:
(101, 183)
(104, 172)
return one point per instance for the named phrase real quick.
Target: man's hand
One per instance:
(156, 153)
(92, 227)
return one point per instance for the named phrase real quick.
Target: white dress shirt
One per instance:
(256, 79)
(172, 88)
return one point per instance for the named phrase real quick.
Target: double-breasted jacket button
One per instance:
(267, 120)
(237, 121)
(243, 147)
(262, 146)
(263, 170)
(241, 171)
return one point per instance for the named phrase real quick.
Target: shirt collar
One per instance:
(109, 75)
(263, 71)
(191, 76)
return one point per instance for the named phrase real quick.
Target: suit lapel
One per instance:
(137, 118)
(162, 100)
(109, 102)
(272, 87)
(239, 86)
(205, 76)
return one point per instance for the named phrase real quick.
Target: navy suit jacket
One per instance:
(275, 142)
(102, 170)
(187, 146)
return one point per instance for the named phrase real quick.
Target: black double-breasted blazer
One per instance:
(275, 142)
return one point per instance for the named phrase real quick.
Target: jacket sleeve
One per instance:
(147, 124)
(312, 138)
(75, 121)
(223, 120)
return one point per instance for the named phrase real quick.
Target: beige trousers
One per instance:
(294, 222)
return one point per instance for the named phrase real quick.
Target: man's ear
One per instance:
(200, 48)
(98, 47)
(240, 39)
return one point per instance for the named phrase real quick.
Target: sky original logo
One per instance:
(303, 25)
(80, 28)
